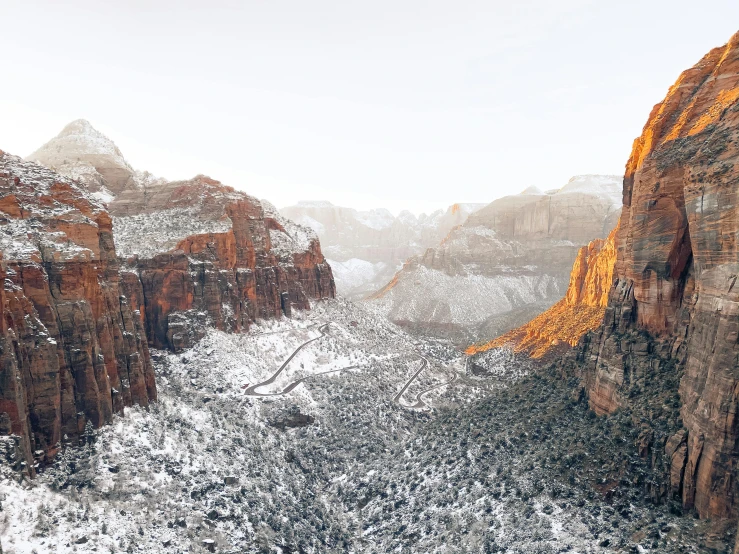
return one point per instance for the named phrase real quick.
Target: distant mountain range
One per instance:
(508, 262)
(366, 248)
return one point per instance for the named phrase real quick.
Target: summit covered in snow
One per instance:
(83, 153)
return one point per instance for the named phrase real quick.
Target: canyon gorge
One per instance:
(366, 248)
(184, 367)
(508, 262)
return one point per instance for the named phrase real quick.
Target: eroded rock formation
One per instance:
(509, 261)
(580, 311)
(72, 347)
(669, 338)
(87, 291)
(200, 253)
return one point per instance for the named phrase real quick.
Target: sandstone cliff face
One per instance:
(365, 248)
(673, 310)
(72, 347)
(200, 253)
(580, 311)
(509, 262)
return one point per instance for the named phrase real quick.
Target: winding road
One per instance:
(323, 330)
(418, 400)
(292, 385)
(419, 403)
(397, 397)
(252, 391)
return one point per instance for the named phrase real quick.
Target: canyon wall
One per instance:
(88, 288)
(672, 320)
(580, 311)
(72, 347)
(198, 253)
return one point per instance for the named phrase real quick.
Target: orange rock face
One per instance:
(580, 311)
(674, 307)
(73, 350)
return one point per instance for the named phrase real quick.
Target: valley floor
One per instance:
(230, 460)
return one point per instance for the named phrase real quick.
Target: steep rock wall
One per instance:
(673, 310)
(580, 311)
(73, 349)
(200, 253)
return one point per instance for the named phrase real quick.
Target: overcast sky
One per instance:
(397, 104)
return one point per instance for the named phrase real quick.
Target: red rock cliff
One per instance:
(200, 253)
(72, 347)
(673, 309)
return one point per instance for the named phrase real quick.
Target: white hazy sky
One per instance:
(397, 104)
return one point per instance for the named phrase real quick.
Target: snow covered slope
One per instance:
(336, 465)
(507, 263)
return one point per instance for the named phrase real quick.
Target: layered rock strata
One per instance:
(88, 290)
(73, 349)
(673, 309)
(200, 253)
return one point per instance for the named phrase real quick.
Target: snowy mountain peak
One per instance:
(407, 218)
(87, 139)
(315, 204)
(79, 127)
(531, 190)
(83, 153)
(606, 186)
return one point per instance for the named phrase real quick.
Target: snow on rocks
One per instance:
(148, 234)
(83, 153)
(293, 238)
(38, 206)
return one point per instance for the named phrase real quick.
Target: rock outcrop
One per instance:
(509, 261)
(580, 311)
(366, 248)
(82, 153)
(669, 339)
(199, 253)
(73, 349)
